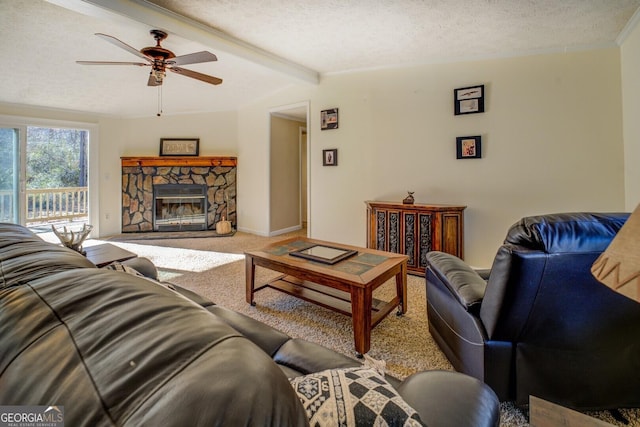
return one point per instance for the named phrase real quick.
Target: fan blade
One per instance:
(153, 81)
(123, 45)
(140, 64)
(195, 75)
(193, 58)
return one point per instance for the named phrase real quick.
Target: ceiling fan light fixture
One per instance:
(158, 75)
(161, 59)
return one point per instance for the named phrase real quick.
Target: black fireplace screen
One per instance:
(179, 207)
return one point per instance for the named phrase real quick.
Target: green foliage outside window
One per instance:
(56, 158)
(8, 145)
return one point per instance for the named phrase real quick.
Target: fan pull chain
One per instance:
(159, 101)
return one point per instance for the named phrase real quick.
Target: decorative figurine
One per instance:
(73, 240)
(409, 199)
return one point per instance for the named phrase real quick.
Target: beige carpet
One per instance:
(214, 267)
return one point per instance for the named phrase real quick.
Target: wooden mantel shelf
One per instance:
(180, 161)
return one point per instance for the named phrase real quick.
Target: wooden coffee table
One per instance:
(346, 286)
(106, 253)
(543, 413)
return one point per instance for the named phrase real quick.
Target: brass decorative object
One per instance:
(73, 240)
(409, 199)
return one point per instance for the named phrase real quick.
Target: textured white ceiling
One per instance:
(338, 35)
(41, 40)
(40, 43)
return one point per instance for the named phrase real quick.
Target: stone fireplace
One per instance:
(143, 177)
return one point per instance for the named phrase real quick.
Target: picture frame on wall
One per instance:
(330, 157)
(329, 119)
(468, 100)
(179, 146)
(469, 147)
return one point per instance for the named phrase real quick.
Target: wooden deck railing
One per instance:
(48, 204)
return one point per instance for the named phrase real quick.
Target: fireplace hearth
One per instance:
(210, 195)
(179, 207)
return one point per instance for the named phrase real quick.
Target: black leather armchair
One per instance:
(540, 324)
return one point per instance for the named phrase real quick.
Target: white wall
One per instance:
(141, 137)
(552, 142)
(631, 106)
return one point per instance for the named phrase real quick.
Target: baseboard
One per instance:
(285, 230)
(250, 231)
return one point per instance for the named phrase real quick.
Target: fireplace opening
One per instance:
(179, 207)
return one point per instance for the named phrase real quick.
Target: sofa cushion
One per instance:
(16, 235)
(352, 397)
(117, 349)
(25, 256)
(264, 336)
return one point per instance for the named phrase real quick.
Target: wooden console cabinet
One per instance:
(414, 230)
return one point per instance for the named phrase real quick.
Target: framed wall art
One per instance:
(324, 254)
(469, 147)
(329, 119)
(468, 100)
(330, 157)
(179, 146)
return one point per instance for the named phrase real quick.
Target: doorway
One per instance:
(288, 170)
(44, 172)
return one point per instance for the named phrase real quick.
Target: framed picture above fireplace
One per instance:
(179, 146)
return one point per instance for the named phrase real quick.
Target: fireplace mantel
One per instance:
(180, 161)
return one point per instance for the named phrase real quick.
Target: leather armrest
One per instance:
(197, 298)
(463, 281)
(451, 399)
(307, 357)
(143, 266)
(484, 272)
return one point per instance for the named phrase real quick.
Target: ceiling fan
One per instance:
(160, 60)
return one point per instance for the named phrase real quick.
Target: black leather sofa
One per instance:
(539, 323)
(118, 349)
